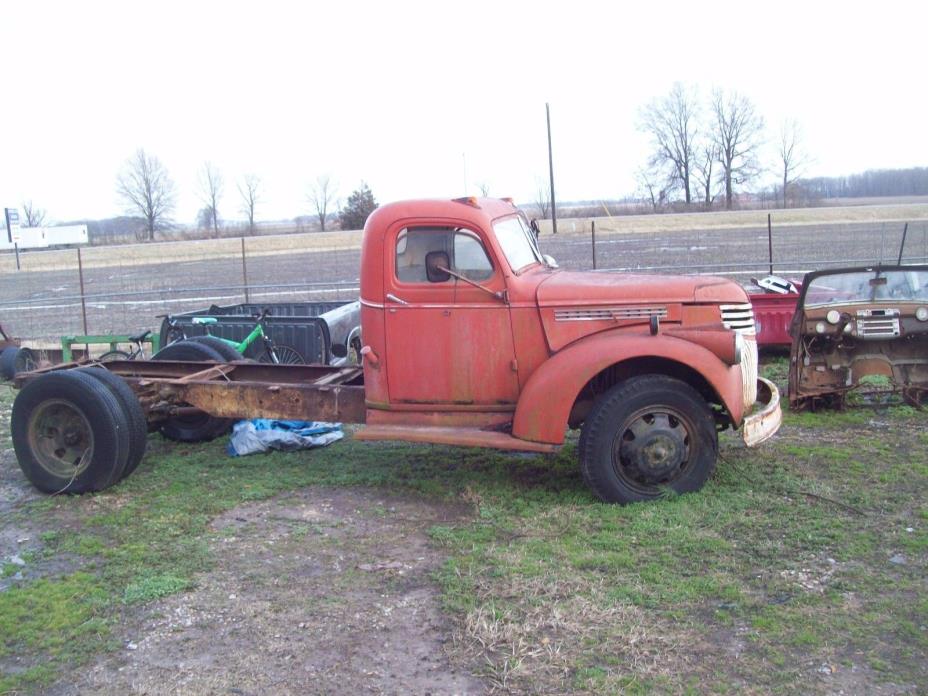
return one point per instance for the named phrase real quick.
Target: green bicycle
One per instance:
(272, 353)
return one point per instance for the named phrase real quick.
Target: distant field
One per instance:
(679, 222)
(273, 245)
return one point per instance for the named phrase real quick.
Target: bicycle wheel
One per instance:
(285, 356)
(115, 355)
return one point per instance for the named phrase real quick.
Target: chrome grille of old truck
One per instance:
(740, 318)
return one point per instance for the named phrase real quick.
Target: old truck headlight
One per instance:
(820, 327)
(921, 313)
(833, 317)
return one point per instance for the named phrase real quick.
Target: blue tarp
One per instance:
(263, 434)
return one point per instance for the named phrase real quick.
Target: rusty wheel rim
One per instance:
(652, 448)
(60, 438)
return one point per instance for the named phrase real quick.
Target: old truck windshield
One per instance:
(868, 286)
(517, 242)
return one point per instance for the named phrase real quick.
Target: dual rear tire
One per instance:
(72, 433)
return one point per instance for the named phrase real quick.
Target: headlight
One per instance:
(833, 317)
(921, 313)
(820, 327)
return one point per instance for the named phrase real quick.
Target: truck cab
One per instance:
(472, 336)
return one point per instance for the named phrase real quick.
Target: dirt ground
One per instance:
(317, 592)
(320, 591)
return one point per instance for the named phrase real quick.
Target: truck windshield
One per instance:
(518, 243)
(868, 286)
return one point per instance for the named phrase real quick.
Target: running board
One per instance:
(466, 437)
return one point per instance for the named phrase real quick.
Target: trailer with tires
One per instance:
(472, 337)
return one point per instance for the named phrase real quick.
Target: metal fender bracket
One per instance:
(766, 417)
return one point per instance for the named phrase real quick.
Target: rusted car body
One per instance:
(472, 337)
(860, 330)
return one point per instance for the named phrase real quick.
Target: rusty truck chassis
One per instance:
(167, 389)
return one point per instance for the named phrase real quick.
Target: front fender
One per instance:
(545, 402)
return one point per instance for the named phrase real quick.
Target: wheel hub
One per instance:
(61, 438)
(653, 448)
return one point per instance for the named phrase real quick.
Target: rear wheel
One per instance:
(14, 360)
(69, 433)
(645, 437)
(285, 356)
(135, 416)
(196, 427)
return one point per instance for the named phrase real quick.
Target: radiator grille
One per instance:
(738, 317)
(607, 313)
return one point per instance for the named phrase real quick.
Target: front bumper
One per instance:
(764, 422)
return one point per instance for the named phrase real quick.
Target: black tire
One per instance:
(285, 356)
(228, 353)
(645, 436)
(15, 360)
(115, 355)
(135, 416)
(69, 433)
(198, 427)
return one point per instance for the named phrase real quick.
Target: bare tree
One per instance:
(737, 133)
(671, 121)
(147, 189)
(211, 192)
(322, 195)
(248, 190)
(793, 159)
(656, 186)
(35, 217)
(707, 154)
(543, 199)
(484, 189)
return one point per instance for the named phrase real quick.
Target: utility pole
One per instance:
(551, 171)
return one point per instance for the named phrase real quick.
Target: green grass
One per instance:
(548, 588)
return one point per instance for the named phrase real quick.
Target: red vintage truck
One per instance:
(470, 337)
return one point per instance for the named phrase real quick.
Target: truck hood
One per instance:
(576, 304)
(582, 289)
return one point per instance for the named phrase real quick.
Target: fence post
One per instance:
(244, 271)
(80, 275)
(770, 243)
(593, 231)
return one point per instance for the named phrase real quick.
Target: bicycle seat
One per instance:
(205, 320)
(141, 337)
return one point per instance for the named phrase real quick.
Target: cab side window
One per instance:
(463, 247)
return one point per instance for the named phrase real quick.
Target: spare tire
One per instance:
(197, 427)
(15, 360)
(135, 416)
(228, 353)
(69, 433)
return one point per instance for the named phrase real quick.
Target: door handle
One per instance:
(394, 298)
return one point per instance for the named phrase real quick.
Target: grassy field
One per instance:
(801, 567)
(179, 252)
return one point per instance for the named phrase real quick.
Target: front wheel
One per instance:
(111, 355)
(645, 437)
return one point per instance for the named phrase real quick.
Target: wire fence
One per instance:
(122, 289)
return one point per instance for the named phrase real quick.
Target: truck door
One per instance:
(448, 342)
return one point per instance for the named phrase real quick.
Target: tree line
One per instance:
(703, 149)
(148, 192)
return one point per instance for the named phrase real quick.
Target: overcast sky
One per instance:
(403, 95)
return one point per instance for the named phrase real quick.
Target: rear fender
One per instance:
(545, 402)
